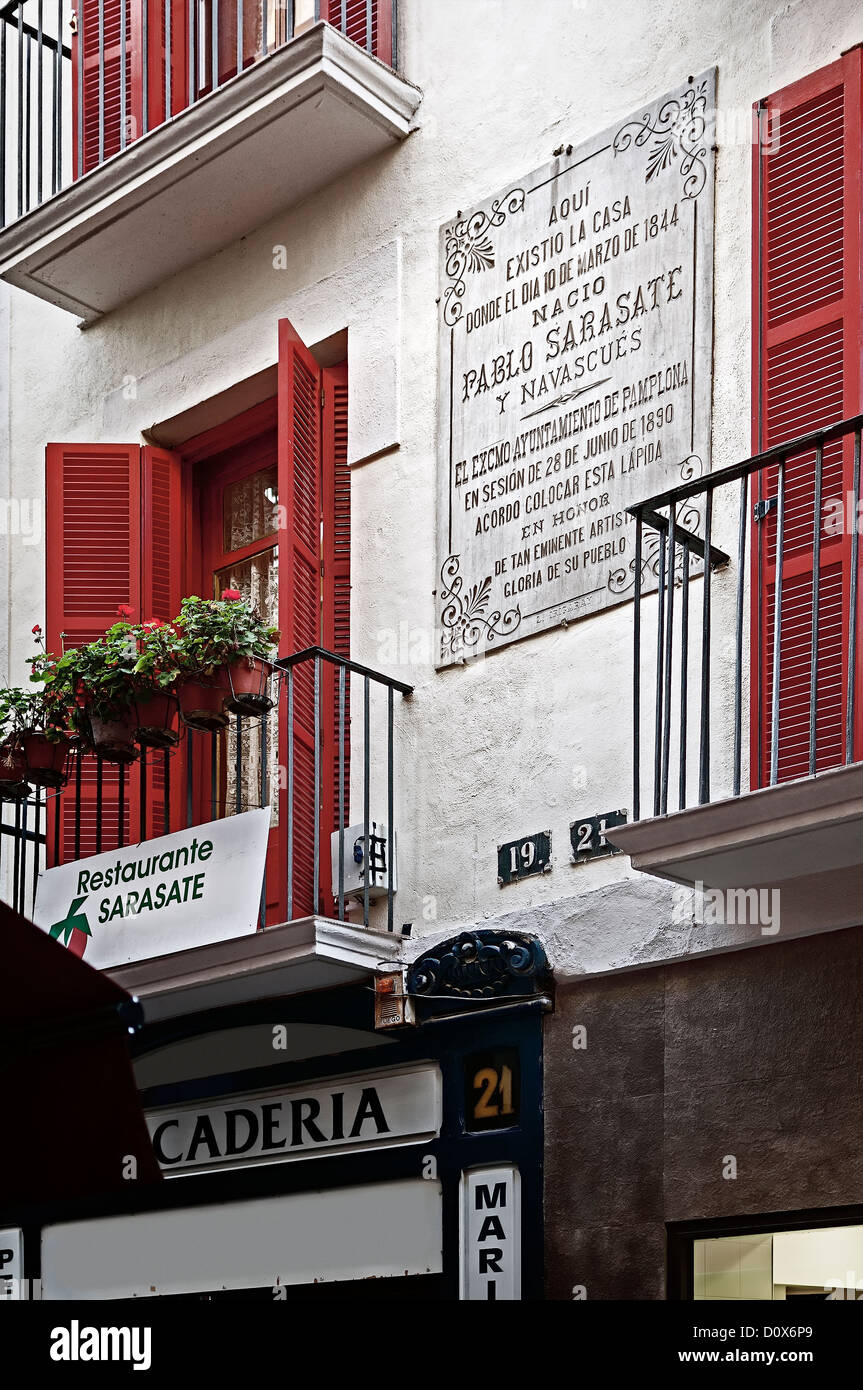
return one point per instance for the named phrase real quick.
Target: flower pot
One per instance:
(45, 759)
(247, 682)
(157, 721)
(202, 706)
(114, 739)
(13, 771)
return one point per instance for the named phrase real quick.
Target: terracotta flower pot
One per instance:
(202, 706)
(157, 722)
(114, 739)
(46, 759)
(247, 682)
(13, 771)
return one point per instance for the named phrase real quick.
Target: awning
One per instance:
(71, 1121)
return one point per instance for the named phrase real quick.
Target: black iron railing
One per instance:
(35, 104)
(323, 759)
(79, 84)
(772, 662)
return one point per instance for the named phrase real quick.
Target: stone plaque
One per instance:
(575, 330)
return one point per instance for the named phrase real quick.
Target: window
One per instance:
(806, 375)
(261, 504)
(813, 1264)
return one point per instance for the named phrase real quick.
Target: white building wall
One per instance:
(538, 733)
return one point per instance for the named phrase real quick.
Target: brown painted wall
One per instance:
(758, 1053)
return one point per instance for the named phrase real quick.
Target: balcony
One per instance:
(747, 724)
(327, 899)
(113, 176)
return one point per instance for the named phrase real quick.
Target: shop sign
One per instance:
(11, 1263)
(491, 1234)
(344, 1114)
(187, 889)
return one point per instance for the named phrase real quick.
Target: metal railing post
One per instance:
(290, 826)
(316, 827)
(342, 809)
(669, 648)
(684, 678)
(777, 628)
(390, 808)
(636, 674)
(704, 742)
(851, 691)
(816, 598)
(743, 522)
(367, 857)
(101, 79)
(660, 652)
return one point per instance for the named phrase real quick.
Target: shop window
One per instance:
(822, 1263)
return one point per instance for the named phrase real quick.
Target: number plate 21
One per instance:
(588, 836)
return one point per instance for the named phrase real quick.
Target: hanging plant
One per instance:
(13, 768)
(225, 652)
(155, 676)
(35, 729)
(110, 681)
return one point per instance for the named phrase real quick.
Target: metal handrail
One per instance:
(204, 48)
(285, 663)
(754, 464)
(26, 819)
(677, 545)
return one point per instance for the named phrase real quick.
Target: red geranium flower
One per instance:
(154, 622)
(231, 595)
(36, 630)
(124, 611)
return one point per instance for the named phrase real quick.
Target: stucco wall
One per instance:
(538, 734)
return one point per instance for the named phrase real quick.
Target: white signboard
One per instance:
(348, 1113)
(491, 1234)
(11, 1264)
(575, 348)
(188, 889)
(370, 1231)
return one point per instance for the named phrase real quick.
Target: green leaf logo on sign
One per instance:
(72, 922)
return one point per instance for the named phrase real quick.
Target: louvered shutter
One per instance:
(114, 39)
(93, 536)
(167, 57)
(151, 67)
(368, 24)
(336, 618)
(162, 551)
(806, 287)
(299, 451)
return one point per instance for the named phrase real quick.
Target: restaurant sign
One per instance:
(187, 889)
(337, 1115)
(575, 356)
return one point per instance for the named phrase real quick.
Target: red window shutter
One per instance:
(806, 365)
(117, 57)
(163, 538)
(123, 29)
(162, 551)
(299, 450)
(167, 64)
(93, 526)
(115, 515)
(371, 31)
(336, 622)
